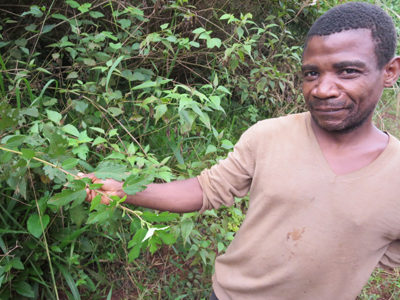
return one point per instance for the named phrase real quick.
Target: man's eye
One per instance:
(310, 74)
(349, 71)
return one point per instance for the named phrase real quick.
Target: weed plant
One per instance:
(139, 91)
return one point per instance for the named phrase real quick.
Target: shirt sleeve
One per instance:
(391, 258)
(231, 177)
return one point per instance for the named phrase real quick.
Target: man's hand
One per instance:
(110, 187)
(177, 196)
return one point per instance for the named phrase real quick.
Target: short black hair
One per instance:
(356, 15)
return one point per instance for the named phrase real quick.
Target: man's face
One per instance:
(341, 81)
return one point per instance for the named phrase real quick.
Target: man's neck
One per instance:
(349, 152)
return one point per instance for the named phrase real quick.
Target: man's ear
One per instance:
(392, 71)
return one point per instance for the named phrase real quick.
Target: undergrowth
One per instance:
(139, 91)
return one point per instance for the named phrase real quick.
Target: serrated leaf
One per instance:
(83, 137)
(134, 183)
(69, 164)
(35, 226)
(111, 170)
(66, 196)
(81, 151)
(71, 129)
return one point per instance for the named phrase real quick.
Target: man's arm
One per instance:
(178, 196)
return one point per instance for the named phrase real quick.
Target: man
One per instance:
(324, 191)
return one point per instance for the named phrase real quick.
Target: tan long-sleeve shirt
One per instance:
(309, 234)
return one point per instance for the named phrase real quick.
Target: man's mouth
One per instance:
(329, 109)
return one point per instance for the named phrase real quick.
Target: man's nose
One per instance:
(326, 88)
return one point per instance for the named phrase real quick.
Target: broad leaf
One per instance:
(35, 226)
(111, 170)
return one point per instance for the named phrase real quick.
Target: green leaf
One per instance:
(30, 111)
(115, 111)
(28, 153)
(211, 149)
(35, 11)
(72, 3)
(162, 217)
(47, 28)
(69, 164)
(98, 140)
(24, 289)
(78, 214)
(198, 30)
(66, 196)
(107, 169)
(95, 202)
(221, 247)
(71, 283)
(72, 75)
(31, 27)
(134, 183)
(136, 243)
(186, 228)
(151, 232)
(81, 151)
(89, 62)
(125, 23)
(167, 238)
(96, 14)
(71, 129)
(17, 264)
(14, 141)
(83, 137)
(54, 116)
(60, 17)
(160, 111)
(84, 7)
(227, 144)
(115, 46)
(35, 226)
(145, 85)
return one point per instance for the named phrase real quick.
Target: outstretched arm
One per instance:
(177, 196)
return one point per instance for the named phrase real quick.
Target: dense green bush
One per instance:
(140, 91)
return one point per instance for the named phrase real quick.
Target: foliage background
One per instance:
(139, 91)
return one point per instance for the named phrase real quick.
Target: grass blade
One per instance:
(114, 65)
(70, 281)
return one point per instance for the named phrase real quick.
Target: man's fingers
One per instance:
(90, 175)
